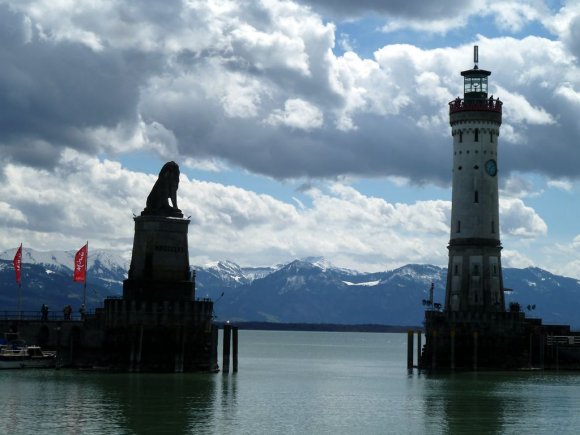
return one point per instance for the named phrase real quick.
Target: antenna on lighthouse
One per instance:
(475, 55)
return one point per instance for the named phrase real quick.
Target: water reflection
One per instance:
(74, 402)
(168, 403)
(294, 383)
(229, 387)
(463, 402)
(499, 402)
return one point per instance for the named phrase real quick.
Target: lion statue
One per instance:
(164, 188)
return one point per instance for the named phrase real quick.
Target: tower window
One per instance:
(494, 270)
(493, 227)
(456, 270)
(460, 136)
(491, 136)
(477, 135)
(458, 226)
(476, 270)
(476, 197)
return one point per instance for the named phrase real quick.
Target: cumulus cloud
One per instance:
(565, 185)
(520, 220)
(349, 228)
(519, 110)
(566, 24)
(227, 222)
(514, 15)
(440, 16)
(297, 113)
(564, 256)
(511, 258)
(402, 8)
(518, 186)
(259, 86)
(242, 83)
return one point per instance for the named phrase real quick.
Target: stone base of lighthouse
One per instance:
(474, 281)
(496, 341)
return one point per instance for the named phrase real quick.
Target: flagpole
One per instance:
(85, 281)
(19, 301)
(17, 263)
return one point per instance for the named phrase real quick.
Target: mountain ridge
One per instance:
(308, 290)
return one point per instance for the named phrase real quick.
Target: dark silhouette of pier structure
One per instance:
(157, 325)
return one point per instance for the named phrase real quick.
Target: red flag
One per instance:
(18, 263)
(80, 271)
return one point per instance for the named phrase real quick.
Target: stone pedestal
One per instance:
(160, 261)
(158, 326)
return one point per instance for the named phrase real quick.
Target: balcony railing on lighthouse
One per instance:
(471, 104)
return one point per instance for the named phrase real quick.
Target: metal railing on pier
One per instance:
(569, 340)
(37, 316)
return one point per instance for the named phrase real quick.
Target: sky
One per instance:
(301, 128)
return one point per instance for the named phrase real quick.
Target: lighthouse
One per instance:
(474, 281)
(475, 330)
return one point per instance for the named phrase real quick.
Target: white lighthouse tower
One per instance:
(475, 329)
(474, 281)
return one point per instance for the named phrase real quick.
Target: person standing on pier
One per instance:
(67, 311)
(44, 312)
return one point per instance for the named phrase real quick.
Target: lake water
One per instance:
(294, 383)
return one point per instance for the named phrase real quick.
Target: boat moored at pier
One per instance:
(16, 354)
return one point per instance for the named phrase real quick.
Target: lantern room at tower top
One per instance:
(475, 83)
(475, 80)
(475, 91)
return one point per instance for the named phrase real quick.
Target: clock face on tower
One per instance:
(491, 167)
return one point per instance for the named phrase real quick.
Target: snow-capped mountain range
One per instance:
(309, 290)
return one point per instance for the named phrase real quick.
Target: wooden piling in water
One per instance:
(234, 349)
(419, 349)
(410, 349)
(226, 350)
